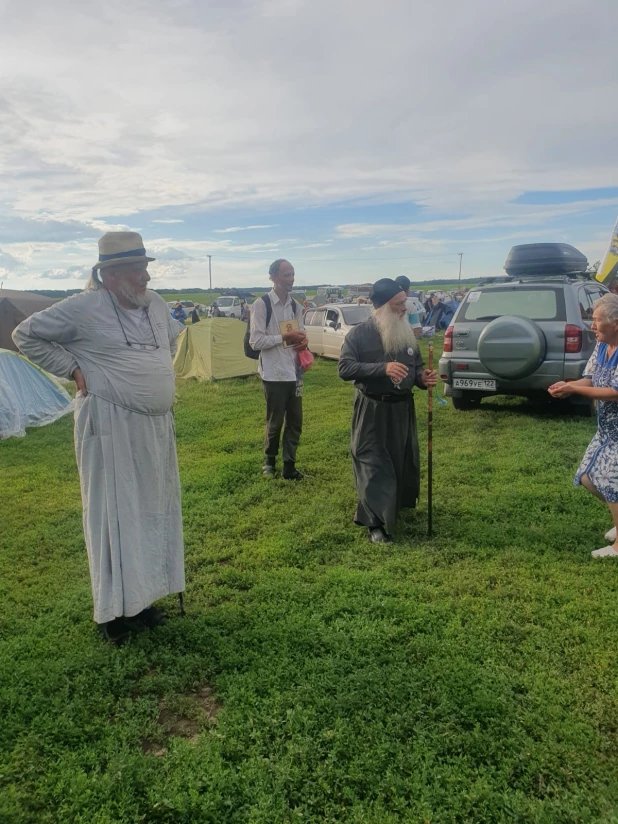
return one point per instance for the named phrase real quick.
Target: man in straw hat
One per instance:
(381, 356)
(116, 341)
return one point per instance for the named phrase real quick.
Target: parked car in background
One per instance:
(327, 326)
(519, 337)
(230, 306)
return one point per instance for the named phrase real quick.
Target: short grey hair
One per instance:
(275, 266)
(608, 304)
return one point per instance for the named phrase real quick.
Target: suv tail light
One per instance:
(572, 339)
(448, 340)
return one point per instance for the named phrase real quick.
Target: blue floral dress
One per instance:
(600, 461)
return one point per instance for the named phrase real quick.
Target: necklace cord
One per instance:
(156, 344)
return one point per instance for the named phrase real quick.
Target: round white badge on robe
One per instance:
(410, 351)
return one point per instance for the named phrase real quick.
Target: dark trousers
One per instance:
(282, 407)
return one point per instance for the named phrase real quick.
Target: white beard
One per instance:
(395, 331)
(138, 300)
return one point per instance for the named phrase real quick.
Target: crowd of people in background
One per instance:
(427, 312)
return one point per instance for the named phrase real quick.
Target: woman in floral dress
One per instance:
(598, 471)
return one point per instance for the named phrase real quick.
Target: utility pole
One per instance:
(209, 271)
(460, 257)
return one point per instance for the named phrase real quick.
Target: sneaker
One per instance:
(605, 552)
(290, 473)
(611, 535)
(294, 475)
(268, 471)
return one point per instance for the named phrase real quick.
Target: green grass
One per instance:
(197, 297)
(467, 678)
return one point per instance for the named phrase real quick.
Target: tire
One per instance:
(466, 402)
(511, 347)
(584, 410)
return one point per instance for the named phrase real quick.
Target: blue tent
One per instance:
(28, 396)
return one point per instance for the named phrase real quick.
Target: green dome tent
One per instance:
(212, 350)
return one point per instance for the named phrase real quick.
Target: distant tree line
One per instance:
(65, 293)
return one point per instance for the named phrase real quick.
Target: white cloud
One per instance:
(70, 273)
(9, 264)
(510, 215)
(314, 245)
(270, 106)
(243, 228)
(449, 104)
(167, 253)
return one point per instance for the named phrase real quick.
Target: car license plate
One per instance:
(473, 383)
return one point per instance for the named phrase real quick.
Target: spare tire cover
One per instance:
(511, 347)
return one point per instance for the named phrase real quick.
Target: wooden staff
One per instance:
(430, 449)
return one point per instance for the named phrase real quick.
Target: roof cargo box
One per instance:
(538, 260)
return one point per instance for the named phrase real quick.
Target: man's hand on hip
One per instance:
(80, 382)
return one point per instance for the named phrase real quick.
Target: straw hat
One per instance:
(117, 248)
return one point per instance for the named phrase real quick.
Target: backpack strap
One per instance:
(269, 310)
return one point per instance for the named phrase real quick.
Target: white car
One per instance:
(230, 307)
(327, 326)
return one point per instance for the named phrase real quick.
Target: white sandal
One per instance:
(605, 552)
(611, 535)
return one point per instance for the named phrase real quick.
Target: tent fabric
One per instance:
(28, 396)
(213, 350)
(16, 306)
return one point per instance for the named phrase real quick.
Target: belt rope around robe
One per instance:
(128, 408)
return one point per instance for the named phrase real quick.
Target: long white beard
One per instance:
(395, 331)
(138, 300)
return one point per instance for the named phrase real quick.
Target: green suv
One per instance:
(519, 337)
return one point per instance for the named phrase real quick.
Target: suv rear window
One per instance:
(536, 304)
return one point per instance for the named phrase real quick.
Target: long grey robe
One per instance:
(384, 443)
(124, 441)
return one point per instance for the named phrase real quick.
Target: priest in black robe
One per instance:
(382, 357)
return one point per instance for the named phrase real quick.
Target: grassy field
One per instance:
(316, 678)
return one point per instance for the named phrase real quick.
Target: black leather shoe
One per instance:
(117, 632)
(148, 618)
(378, 536)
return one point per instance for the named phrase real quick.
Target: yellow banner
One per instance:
(609, 266)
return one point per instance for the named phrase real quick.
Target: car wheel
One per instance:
(585, 410)
(466, 401)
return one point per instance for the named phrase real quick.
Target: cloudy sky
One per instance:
(358, 139)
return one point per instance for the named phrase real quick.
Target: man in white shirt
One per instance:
(279, 367)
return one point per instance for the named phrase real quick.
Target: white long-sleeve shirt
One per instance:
(276, 362)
